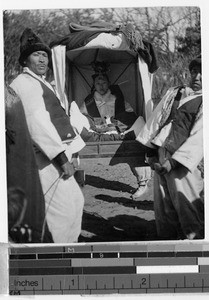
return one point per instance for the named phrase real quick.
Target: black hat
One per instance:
(29, 43)
(195, 62)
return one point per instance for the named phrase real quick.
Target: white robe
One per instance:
(178, 205)
(63, 198)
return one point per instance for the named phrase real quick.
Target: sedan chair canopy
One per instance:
(131, 60)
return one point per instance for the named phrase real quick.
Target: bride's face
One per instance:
(101, 85)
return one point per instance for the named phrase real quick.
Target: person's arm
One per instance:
(42, 131)
(175, 134)
(191, 151)
(150, 129)
(91, 136)
(67, 168)
(182, 124)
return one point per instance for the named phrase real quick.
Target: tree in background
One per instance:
(190, 44)
(173, 31)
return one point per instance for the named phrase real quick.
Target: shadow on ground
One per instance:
(119, 228)
(110, 215)
(99, 182)
(145, 204)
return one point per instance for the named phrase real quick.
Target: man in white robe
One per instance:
(56, 141)
(178, 205)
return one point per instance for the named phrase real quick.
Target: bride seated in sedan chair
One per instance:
(106, 116)
(105, 107)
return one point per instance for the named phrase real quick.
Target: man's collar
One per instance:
(198, 92)
(27, 70)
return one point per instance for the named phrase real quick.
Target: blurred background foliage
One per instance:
(175, 33)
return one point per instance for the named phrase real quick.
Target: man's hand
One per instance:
(160, 170)
(68, 170)
(151, 160)
(166, 167)
(163, 155)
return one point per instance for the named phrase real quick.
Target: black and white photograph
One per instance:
(104, 135)
(104, 148)
(104, 124)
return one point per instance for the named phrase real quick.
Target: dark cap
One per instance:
(195, 62)
(29, 43)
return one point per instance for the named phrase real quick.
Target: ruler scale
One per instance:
(109, 269)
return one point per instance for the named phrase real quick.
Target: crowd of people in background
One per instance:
(173, 135)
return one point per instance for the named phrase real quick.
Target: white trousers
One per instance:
(179, 209)
(64, 203)
(143, 174)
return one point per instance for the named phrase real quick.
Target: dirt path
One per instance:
(109, 212)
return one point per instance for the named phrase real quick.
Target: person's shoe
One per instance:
(195, 236)
(139, 192)
(191, 236)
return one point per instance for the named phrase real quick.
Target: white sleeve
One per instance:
(42, 131)
(159, 139)
(77, 119)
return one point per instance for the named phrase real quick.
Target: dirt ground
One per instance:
(110, 215)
